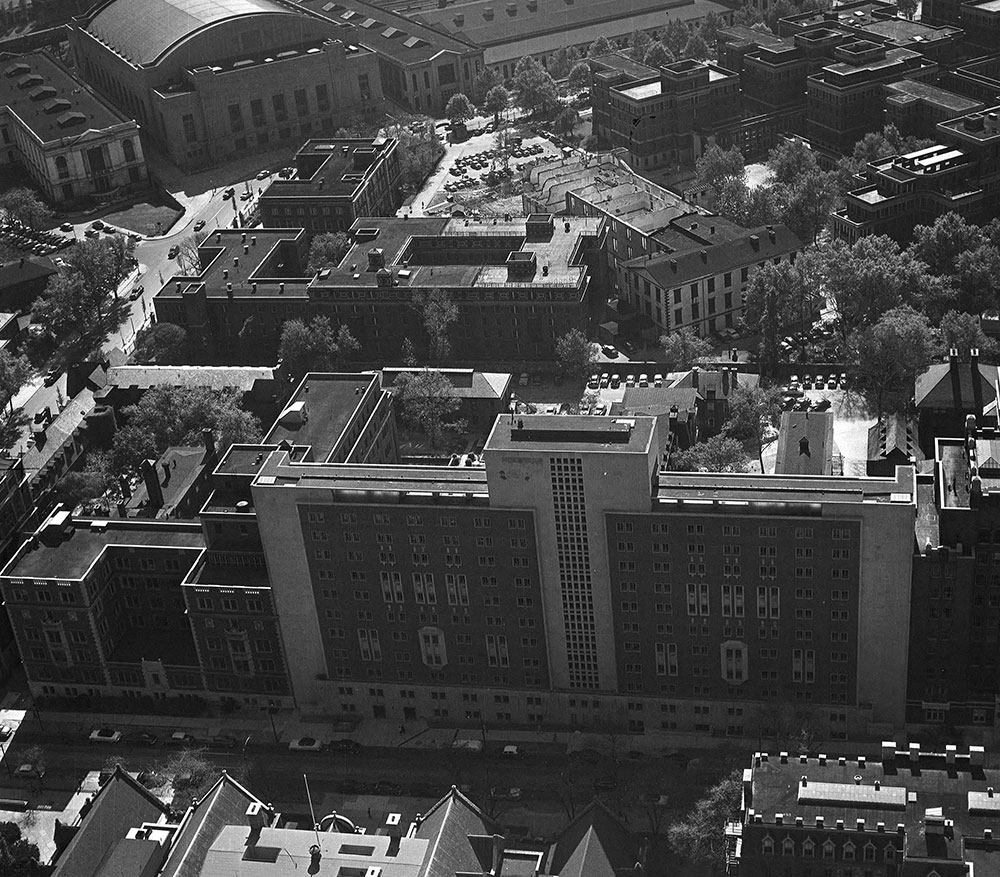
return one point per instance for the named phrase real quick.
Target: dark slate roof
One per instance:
(805, 443)
(30, 268)
(687, 265)
(449, 825)
(934, 387)
(595, 844)
(225, 804)
(715, 380)
(120, 804)
(894, 434)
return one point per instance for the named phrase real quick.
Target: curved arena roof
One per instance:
(142, 30)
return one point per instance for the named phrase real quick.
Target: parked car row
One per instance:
(312, 744)
(176, 739)
(29, 240)
(606, 380)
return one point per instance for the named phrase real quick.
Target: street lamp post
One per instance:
(271, 710)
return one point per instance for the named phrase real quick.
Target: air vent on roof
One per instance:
(30, 81)
(42, 92)
(16, 70)
(68, 120)
(57, 105)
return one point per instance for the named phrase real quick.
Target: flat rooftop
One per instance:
(910, 793)
(330, 168)
(979, 127)
(932, 94)
(69, 555)
(284, 852)
(459, 253)
(902, 32)
(624, 64)
(270, 261)
(570, 433)
(51, 101)
(320, 410)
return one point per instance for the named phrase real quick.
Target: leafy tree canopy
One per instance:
(162, 344)
(575, 354)
(315, 345)
(683, 348)
(718, 454)
(327, 250)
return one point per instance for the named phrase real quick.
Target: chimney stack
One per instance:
(694, 377)
(154, 492)
(208, 438)
(956, 378)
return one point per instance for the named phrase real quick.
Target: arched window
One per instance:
(869, 852)
(848, 852)
(129, 150)
(788, 847)
(808, 848)
(767, 846)
(828, 850)
(890, 853)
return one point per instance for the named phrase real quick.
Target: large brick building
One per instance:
(210, 81)
(67, 139)
(518, 284)
(333, 183)
(960, 174)
(560, 578)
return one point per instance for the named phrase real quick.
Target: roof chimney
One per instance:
(208, 439)
(977, 384)
(154, 492)
(956, 378)
(694, 377)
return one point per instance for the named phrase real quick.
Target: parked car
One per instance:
(51, 376)
(511, 794)
(66, 226)
(610, 351)
(30, 771)
(91, 233)
(246, 195)
(141, 738)
(173, 251)
(510, 751)
(105, 735)
(199, 225)
(97, 225)
(264, 174)
(136, 292)
(180, 739)
(223, 741)
(5, 732)
(306, 744)
(228, 194)
(351, 747)
(593, 382)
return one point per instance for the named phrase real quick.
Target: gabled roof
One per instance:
(120, 804)
(893, 435)
(449, 826)
(935, 389)
(24, 270)
(595, 844)
(224, 804)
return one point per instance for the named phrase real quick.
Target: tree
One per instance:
(161, 344)
(867, 279)
(711, 24)
(735, 200)
(696, 48)
(719, 454)
(188, 259)
(701, 836)
(777, 11)
(939, 245)
(459, 109)
(808, 204)
(15, 371)
(657, 55)
(24, 206)
(428, 402)
(75, 488)
(536, 90)
(566, 121)
(419, 149)
(977, 272)
(716, 165)
(18, 856)
(907, 7)
(754, 415)
(775, 299)
(790, 161)
(563, 61)
(314, 346)
(600, 46)
(675, 36)
(169, 416)
(963, 332)
(681, 349)
(887, 356)
(575, 354)
(579, 76)
(328, 250)
(638, 43)
(190, 774)
(487, 80)
(438, 312)
(80, 306)
(497, 101)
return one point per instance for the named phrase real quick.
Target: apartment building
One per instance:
(699, 281)
(913, 810)
(209, 82)
(332, 183)
(844, 99)
(67, 139)
(980, 19)
(957, 174)
(916, 108)
(518, 284)
(655, 118)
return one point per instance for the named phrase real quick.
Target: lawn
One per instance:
(148, 217)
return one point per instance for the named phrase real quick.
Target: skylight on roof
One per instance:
(413, 42)
(390, 32)
(369, 22)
